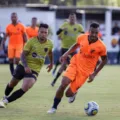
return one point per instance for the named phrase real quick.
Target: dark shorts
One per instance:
(64, 50)
(20, 73)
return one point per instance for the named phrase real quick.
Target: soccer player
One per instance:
(17, 37)
(81, 65)
(32, 31)
(68, 33)
(32, 60)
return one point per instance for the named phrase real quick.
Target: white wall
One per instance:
(25, 17)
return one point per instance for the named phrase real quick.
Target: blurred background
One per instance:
(55, 12)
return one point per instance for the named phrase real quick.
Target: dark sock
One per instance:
(17, 94)
(56, 102)
(57, 76)
(11, 68)
(8, 90)
(56, 65)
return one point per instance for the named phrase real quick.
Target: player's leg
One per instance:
(17, 76)
(69, 76)
(18, 52)
(10, 86)
(56, 65)
(75, 85)
(59, 94)
(118, 57)
(61, 69)
(27, 84)
(11, 55)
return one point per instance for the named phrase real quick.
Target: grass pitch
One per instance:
(105, 90)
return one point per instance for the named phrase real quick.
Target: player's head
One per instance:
(93, 31)
(34, 21)
(14, 17)
(72, 18)
(43, 31)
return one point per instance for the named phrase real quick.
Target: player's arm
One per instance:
(71, 50)
(61, 29)
(24, 61)
(101, 65)
(24, 37)
(24, 34)
(23, 58)
(50, 55)
(25, 53)
(81, 30)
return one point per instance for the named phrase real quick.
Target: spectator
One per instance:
(115, 29)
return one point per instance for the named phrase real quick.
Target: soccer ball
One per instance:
(91, 108)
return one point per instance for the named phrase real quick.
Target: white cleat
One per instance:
(51, 111)
(72, 99)
(2, 104)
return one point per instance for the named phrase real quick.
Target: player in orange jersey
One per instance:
(32, 31)
(82, 65)
(17, 36)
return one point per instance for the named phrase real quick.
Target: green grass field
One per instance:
(105, 90)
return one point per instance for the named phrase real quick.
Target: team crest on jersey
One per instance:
(45, 49)
(92, 51)
(34, 54)
(65, 33)
(75, 29)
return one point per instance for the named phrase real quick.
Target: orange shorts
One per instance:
(14, 51)
(76, 76)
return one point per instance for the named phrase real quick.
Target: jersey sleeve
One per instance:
(63, 25)
(81, 28)
(79, 38)
(7, 30)
(28, 45)
(103, 51)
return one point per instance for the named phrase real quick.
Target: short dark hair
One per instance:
(14, 13)
(72, 13)
(94, 25)
(34, 18)
(43, 25)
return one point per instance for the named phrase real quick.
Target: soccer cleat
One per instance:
(72, 99)
(52, 84)
(2, 104)
(51, 111)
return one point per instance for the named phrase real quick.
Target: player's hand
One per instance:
(63, 58)
(28, 70)
(49, 67)
(91, 77)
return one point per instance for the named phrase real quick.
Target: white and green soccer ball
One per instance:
(91, 108)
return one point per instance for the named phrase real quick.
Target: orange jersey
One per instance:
(89, 53)
(32, 32)
(15, 34)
